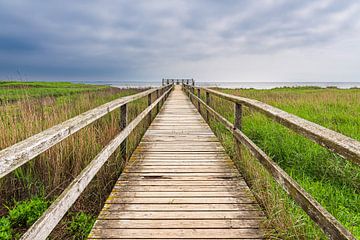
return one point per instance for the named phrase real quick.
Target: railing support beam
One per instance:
(199, 96)
(150, 113)
(207, 100)
(123, 124)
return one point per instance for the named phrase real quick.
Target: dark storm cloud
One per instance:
(129, 39)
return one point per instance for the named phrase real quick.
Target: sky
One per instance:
(208, 40)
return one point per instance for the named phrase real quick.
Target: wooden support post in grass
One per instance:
(150, 113)
(238, 116)
(123, 124)
(198, 94)
(157, 105)
(207, 100)
(238, 125)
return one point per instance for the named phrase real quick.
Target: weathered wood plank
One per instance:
(238, 214)
(181, 207)
(177, 233)
(178, 223)
(179, 200)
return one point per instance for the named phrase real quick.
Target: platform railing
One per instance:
(334, 141)
(15, 156)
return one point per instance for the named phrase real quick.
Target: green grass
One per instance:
(50, 173)
(333, 181)
(80, 225)
(12, 91)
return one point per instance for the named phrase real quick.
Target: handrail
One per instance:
(344, 146)
(52, 216)
(22, 152)
(328, 223)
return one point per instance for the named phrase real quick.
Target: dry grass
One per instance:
(50, 173)
(331, 180)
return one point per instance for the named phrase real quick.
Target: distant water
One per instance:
(255, 85)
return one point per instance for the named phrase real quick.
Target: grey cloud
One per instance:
(126, 39)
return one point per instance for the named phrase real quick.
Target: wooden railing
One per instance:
(336, 142)
(22, 152)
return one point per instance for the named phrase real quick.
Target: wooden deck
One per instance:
(179, 184)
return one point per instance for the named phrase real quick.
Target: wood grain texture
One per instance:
(180, 184)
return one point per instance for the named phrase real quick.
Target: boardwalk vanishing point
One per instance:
(179, 184)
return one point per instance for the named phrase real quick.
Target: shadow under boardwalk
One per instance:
(179, 184)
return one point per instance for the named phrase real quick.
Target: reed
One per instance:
(333, 181)
(49, 174)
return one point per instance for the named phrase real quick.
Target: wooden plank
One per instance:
(213, 183)
(238, 214)
(179, 200)
(181, 207)
(178, 223)
(130, 188)
(177, 233)
(169, 194)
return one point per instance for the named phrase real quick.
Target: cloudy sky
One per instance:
(209, 40)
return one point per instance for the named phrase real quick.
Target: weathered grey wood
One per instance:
(329, 224)
(179, 174)
(199, 95)
(181, 207)
(182, 200)
(20, 153)
(175, 224)
(123, 123)
(177, 233)
(207, 100)
(149, 116)
(238, 116)
(345, 146)
(238, 214)
(158, 105)
(52, 216)
(238, 125)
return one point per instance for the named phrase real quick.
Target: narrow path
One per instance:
(179, 184)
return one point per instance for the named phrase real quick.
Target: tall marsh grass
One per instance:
(331, 180)
(50, 173)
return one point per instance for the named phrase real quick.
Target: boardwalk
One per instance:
(179, 184)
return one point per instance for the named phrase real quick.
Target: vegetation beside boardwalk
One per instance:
(11, 91)
(333, 181)
(42, 179)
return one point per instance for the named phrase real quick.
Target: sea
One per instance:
(246, 85)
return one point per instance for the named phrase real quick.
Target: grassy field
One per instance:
(334, 182)
(27, 192)
(11, 91)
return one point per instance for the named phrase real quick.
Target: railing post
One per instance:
(207, 100)
(238, 116)
(123, 123)
(150, 113)
(198, 94)
(157, 105)
(238, 125)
